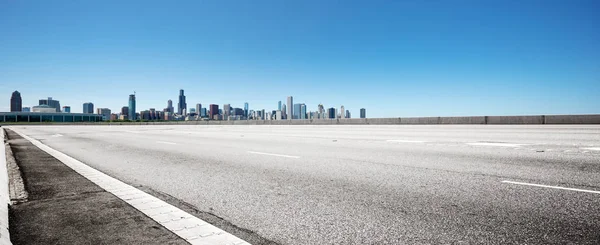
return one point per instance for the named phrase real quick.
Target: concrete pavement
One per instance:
(362, 184)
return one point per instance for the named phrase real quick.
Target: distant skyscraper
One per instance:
(279, 106)
(321, 112)
(290, 107)
(342, 112)
(214, 110)
(296, 111)
(182, 105)
(331, 113)
(51, 103)
(170, 106)
(198, 108)
(203, 112)
(16, 103)
(302, 111)
(347, 114)
(67, 109)
(226, 111)
(88, 108)
(246, 107)
(363, 113)
(124, 111)
(132, 112)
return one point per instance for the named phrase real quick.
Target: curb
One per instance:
(4, 194)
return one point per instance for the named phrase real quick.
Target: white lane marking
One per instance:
(496, 144)
(592, 148)
(57, 135)
(406, 141)
(183, 224)
(549, 186)
(165, 142)
(271, 154)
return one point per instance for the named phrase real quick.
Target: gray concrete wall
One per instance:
(572, 119)
(541, 119)
(515, 120)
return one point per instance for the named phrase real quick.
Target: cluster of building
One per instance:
(285, 111)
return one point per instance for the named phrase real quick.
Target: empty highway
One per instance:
(363, 184)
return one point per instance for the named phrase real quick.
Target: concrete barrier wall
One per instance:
(4, 194)
(419, 120)
(462, 120)
(573, 119)
(515, 120)
(549, 119)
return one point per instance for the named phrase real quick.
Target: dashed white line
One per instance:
(271, 154)
(592, 148)
(166, 143)
(57, 135)
(183, 224)
(549, 186)
(406, 141)
(496, 144)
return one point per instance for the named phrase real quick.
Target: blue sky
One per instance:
(395, 58)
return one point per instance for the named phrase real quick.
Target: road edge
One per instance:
(4, 193)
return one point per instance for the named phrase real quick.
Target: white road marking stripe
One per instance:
(496, 144)
(592, 148)
(57, 135)
(549, 186)
(271, 154)
(406, 141)
(185, 225)
(165, 142)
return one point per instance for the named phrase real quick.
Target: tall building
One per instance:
(170, 106)
(198, 108)
(246, 107)
(88, 108)
(302, 111)
(125, 111)
(331, 113)
(67, 109)
(342, 112)
(51, 103)
(16, 103)
(203, 112)
(132, 114)
(226, 110)
(105, 112)
(279, 106)
(347, 114)
(283, 111)
(181, 106)
(296, 111)
(213, 110)
(363, 113)
(290, 107)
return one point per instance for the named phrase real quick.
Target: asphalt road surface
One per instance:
(363, 184)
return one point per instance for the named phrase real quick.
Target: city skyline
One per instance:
(533, 59)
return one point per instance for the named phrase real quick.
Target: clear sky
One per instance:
(394, 58)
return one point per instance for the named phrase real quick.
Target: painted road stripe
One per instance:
(271, 154)
(496, 144)
(183, 224)
(592, 148)
(406, 141)
(549, 186)
(166, 143)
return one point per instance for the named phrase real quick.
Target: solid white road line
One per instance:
(496, 144)
(183, 224)
(549, 186)
(592, 148)
(406, 141)
(166, 143)
(271, 154)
